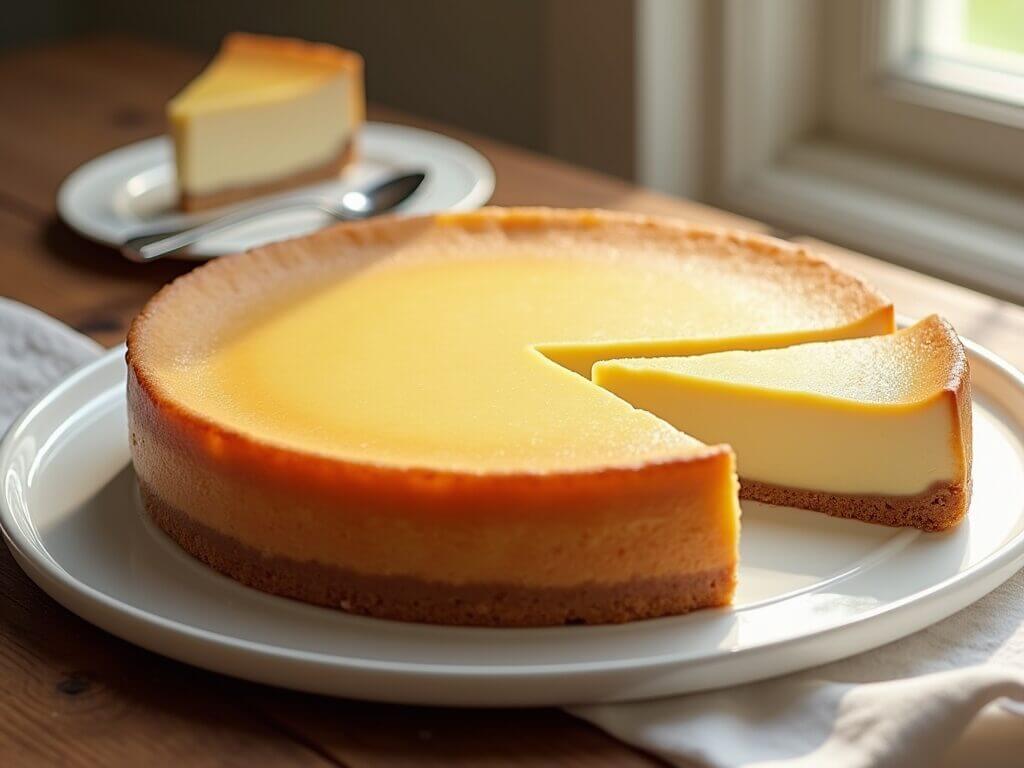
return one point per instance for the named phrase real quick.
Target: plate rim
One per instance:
(60, 584)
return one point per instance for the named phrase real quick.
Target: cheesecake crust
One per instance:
(406, 598)
(938, 508)
(328, 170)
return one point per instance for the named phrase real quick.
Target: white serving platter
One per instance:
(813, 589)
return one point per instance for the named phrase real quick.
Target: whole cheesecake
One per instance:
(396, 417)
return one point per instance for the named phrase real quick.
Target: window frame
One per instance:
(774, 151)
(883, 91)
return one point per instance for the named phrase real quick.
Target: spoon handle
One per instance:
(149, 246)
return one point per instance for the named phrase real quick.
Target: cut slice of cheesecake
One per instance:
(877, 429)
(265, 115)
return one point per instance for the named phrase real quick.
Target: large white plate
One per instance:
(114, 196)
(813, 589)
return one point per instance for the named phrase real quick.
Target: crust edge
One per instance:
(938, 508)
(405, 598)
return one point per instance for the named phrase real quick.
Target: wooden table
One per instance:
(72, 694)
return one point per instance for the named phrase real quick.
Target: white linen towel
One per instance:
(36, 352)
(901, 705)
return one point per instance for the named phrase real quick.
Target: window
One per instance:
(895, 127)
(972, 46)
(908, 75)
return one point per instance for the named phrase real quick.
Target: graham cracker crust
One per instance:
(937, 509)
(405, 598)
(333, 167)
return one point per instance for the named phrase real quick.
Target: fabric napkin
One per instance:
(901, 705)
(36, 352)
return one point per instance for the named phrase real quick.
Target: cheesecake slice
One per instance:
(877, 429)
(265, 115)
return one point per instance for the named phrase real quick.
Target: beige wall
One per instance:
(554, 76)
(589, 78)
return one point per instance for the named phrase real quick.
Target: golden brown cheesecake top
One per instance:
(464, 342)
(249, 69)
(910, 366)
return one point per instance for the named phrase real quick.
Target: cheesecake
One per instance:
(266, 114)
(876, 429)
(396, 417)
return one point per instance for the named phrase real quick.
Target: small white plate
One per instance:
(813, 589)
(115, 195)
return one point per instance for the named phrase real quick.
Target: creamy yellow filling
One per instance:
(248, 78)
(440, 362)
(221, 150)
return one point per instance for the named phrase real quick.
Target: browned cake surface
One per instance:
(330, 169)
(937, 509)
(408, 599)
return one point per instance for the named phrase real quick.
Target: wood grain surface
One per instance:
(71, 694)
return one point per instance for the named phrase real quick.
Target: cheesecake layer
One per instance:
(409, 598)
(832, 447)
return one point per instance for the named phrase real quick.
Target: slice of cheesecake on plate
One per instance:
(877, 429)
(267, 114)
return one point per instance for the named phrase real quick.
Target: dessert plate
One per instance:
(813, 589)
(114, 196)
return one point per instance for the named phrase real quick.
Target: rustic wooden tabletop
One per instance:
(71, 694)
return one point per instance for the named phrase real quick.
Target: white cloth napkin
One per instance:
(36, 352)
(901, 705)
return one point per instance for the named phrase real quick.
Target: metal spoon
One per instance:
(351, 206)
